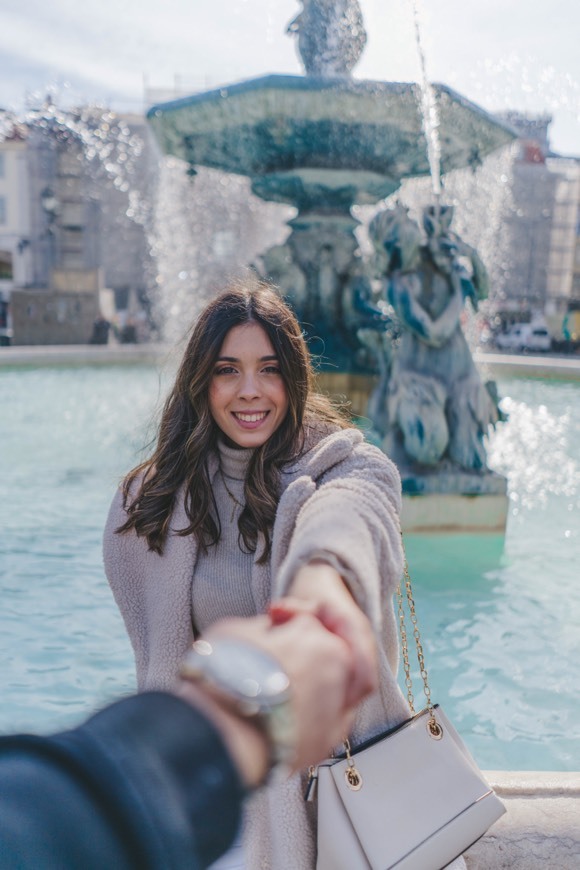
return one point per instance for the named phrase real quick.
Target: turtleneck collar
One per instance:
(234, 461)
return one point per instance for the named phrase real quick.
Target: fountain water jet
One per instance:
(429, 110)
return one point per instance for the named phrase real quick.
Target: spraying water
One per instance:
(199, 228)
(429, 110)
(107, 141)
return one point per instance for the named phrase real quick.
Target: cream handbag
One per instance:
(411, 798)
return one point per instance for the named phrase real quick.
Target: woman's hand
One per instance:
(319, 589)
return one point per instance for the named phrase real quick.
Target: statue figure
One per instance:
(437, 408)
(325, 279)
(280, 267)
(331, 36)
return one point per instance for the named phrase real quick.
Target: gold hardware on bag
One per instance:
(434, 729)
(310, 793)
(353, 778)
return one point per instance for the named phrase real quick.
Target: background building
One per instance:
(72, 247)
(95, 226)
(15, 261)
(542, 226)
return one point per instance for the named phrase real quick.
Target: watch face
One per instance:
(254, 682)
(252, 674)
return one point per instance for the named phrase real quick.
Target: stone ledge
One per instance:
(36, 356)
(452, 513)
(535, 783)
(506, 365)
(541, 828)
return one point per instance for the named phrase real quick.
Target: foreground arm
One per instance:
(157, 780)
(140, 785)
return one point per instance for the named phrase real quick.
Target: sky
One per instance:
(502, 54)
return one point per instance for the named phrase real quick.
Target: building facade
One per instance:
(542, 224)
(70, 252)
(15, 259)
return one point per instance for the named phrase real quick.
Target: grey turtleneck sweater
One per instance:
(222, 576)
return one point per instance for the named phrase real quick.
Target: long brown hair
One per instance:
(187, 433)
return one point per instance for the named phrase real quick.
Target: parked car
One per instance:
(525, 336)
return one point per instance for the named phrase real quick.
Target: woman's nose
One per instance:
(249, 386)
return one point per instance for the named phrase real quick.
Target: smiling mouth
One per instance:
(251, 418)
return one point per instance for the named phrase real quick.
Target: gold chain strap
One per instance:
(432, 724)
(351, 774)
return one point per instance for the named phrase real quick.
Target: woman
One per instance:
(258, 488)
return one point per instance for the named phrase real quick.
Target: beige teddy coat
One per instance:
(342, 496)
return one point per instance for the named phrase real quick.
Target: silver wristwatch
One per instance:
(251, 683)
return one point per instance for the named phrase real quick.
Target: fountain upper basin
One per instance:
(296, 135)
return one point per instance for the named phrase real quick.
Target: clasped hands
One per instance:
(326, 645)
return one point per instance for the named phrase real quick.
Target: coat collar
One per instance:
(321, 452)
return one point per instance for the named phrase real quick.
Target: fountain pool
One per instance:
(501, 624)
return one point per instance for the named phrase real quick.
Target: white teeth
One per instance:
(251, 418)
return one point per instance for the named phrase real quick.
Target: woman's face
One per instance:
(247, 397)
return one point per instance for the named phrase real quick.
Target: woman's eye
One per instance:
(272, 370)
(225, 370)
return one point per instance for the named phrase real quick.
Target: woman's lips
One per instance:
(251, 419)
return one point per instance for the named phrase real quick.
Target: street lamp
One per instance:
(51, 207)
(50, 204)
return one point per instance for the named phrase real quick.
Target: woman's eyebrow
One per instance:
(235, 359)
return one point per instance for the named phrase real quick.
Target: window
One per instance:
(2, 209)
(5, 266)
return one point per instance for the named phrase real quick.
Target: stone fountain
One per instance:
(389, 326)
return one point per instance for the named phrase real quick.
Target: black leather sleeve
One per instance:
(145, 784)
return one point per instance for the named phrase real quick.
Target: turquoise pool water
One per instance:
(501, 621)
